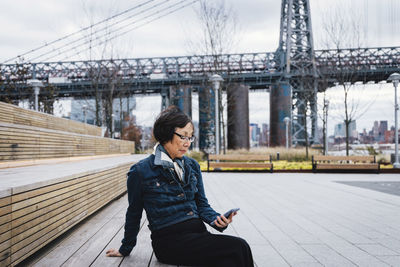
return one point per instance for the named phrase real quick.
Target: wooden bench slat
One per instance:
(27, 142)
(32, 233)
(31, 211)
(19, 255)
(5, 243)
(344, 158)
(347, 166)
(239, 157)
(46, 216)
(17, 115)
(248, 161)
(320, 162)
(239, 165)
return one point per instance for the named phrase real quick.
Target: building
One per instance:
(340, 130)
(375, 130)
(382, 129)
(81, 106)
(254, 135)
(264, 135)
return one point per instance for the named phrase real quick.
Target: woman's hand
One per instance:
(222, 221)
(112, 252)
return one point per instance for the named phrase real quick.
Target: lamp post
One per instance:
(36, 84)
(216, 81)
(112, 125)
(326, 126)
(395, 77)
(84, 109)
(286, 120)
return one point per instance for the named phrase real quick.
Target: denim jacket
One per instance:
(154, 187)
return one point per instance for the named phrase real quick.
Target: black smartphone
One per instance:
(228, 213)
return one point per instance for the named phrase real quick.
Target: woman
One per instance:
(169, 186)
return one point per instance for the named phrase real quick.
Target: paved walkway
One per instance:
(289, 219)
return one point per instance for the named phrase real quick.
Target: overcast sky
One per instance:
(28, 24)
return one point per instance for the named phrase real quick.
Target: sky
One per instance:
(29, 24)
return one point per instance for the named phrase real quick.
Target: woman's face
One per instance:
(177, 147)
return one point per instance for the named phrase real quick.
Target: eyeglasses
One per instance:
(186, 138)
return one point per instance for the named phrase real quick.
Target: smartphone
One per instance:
(227, 214)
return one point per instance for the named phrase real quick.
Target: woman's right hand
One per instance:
(112, 252)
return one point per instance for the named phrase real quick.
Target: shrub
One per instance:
(372, 151)
(197, 155)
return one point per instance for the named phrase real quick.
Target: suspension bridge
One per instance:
(294, 73)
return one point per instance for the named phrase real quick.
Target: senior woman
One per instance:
(169, 187)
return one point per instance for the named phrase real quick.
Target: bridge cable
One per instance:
(75, 33)
(104, 29)
(98, 38)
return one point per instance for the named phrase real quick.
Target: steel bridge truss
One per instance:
(296, 60)
(259, 70)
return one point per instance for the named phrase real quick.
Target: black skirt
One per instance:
(189, 243)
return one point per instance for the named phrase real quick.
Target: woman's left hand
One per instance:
(222, 221)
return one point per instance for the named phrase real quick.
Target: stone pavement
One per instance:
(289, 219)
(311, 220)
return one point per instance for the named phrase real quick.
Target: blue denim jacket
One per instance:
(153, 185)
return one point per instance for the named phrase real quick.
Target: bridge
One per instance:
(152, 75)
(293, 74)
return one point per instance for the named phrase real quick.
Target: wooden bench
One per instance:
(28, 135)
(39, 203)
(345, 163)
(16, 115)
(249, 161)
(37, 209)
(21, 142)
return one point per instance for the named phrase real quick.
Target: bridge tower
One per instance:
(295, 94)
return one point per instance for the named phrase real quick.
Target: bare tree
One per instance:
(324, 119)
(342, 30)
(105, 80)
(131, 131)
(218, 25)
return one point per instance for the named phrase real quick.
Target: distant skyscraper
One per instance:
(340, 129)
(254, 134)
(375, 130)
(383, 127)
(78, 104)
(353, 129)
(264, 135)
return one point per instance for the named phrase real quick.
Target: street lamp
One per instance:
(286, 120)
(84, 109)
(216, 81)
(395, 77)
(36, 84)
(112, 125)
(326, 126)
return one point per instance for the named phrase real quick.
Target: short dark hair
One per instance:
(166, 123)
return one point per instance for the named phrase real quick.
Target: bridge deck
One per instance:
(288, 219)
